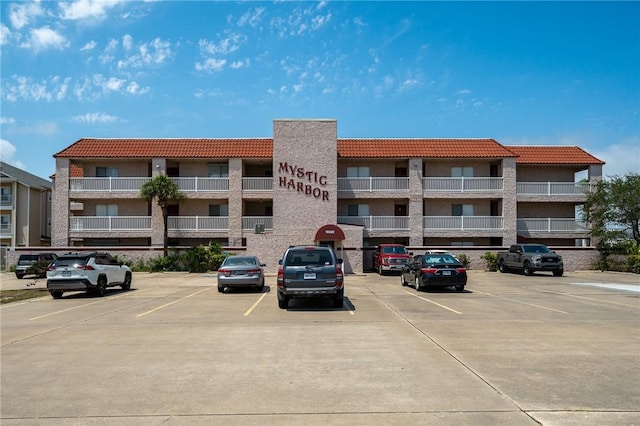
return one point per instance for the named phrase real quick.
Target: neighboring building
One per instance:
(25, 209)
(305, 185)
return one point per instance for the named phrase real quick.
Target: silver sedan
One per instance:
(241, 271)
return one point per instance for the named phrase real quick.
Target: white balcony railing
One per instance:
(257, 184)
(461, 184)
(6, 229)
(134, 184)
(462, 223)
(377, 223)
(110, 223)
(550, 224)
(249, 222)
(373, 184)
(552, 188)
(6, 200)
(198, 223)
(202, 184)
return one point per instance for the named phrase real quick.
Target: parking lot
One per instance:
(509, 350)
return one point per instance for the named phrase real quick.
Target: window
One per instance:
(358, 210)
(218, 170)
(106, 172)
(106, 210)
(5, 222)
(362, 171)
(219, 210)
(462, 210)
(5, 194)
(462, 172)
(462, 243)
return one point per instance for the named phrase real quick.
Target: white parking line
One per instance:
(171, 303)
(521, 302)
(625, 287)
(431, 301)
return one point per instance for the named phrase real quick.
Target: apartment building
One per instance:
(305, 185)
(25, 209)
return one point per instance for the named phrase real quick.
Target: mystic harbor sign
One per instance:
(306, 182)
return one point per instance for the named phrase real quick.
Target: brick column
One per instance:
(159, 167)
(60, 205)
(235, 202)
(416, 202)
(509, 202)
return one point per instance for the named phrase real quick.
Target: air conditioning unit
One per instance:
(259, 229)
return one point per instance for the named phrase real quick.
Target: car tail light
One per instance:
(225, 272)
(253, 271)
(51, 268)
(339, 276)
(280, 276)
(429, 270)
(86, 267)
(461, 270)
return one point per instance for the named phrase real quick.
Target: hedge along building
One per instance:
(306, 186)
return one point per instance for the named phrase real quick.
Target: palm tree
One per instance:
(164, 190)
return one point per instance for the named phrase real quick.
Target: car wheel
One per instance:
(501, 267)
(558, 273)
(56, 294)
(526, 269)
(220, 289)
(402, 280)
(460, 288)
(283, 301)
(19, 276)
(260, 288)
(417, 283)
(101, 287)
(126, 285)
(338, 299)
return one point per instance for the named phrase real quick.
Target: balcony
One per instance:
(374, 184)
(109, 223)
(134, 184)
(462, 184)
(6, 201)
(377, 223)
(462, 223)
(257, 184)
(198, 223)
(550, 224)
(249, 222)
(550, 189)
(6, 230)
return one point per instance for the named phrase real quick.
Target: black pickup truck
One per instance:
(530, 258)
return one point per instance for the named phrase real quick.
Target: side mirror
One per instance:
(339, 260)
(280, 262)
(263, 264)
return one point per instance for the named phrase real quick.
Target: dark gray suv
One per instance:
(310, 271)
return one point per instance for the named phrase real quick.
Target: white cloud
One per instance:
(7, 151)
(252, 18)
(127, 42)
(621, 158)
(134, 88)
(5, 34)
(463, 92)
(240, 64)
(7, 120)
(224, 47)
(95, 117)
(84, 9)
(24, 88)
(211, 65)
(44, 38)
(22, 14)
(152, 54)
(89, 46)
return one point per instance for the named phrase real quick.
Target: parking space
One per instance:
(510, 349)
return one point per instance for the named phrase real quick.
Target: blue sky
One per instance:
(523, 73)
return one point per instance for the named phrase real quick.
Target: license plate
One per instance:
(446, 272)
(309, 275)
(66, 273)
(239, 273)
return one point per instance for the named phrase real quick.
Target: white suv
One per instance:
(92, 272)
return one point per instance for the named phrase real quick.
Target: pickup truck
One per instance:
(529, 258)
(390, 258)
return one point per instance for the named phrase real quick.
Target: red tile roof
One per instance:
(75, 171)
(424, 148)
(169, 148)
(553, 155)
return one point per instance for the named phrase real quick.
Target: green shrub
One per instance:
(464, 259)
(491, 260)
(633, 263)
(204, 258)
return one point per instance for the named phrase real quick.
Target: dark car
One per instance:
(33, 264)
(310, 271)
(241, 271)
(434, 270)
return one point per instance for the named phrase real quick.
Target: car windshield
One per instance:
(394, 250)
(536, 249)
(70, 261)
(440, 259)
(308, 257)
(27, 258)
(235, 261)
